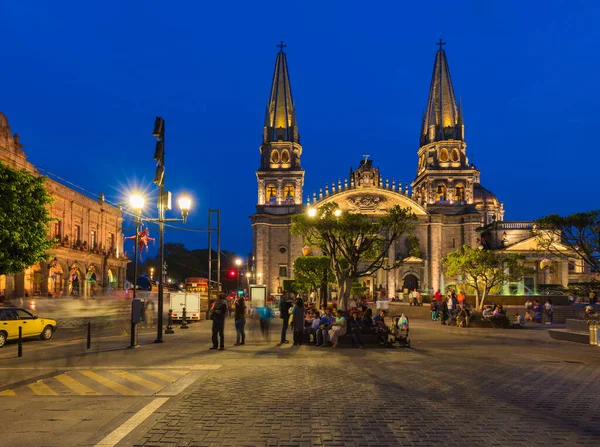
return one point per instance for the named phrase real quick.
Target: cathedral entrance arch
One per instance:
(411, 282)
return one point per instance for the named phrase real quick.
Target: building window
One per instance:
(441, 193)
(271, 192)
(444, 154)
(282, 270)
(282, 250)
(111, 241)
(459, 192)
(77, 233)
(285, 156)
(288, 192)
(454, 155)
(93, 240)
(56, 232)
(275, 157)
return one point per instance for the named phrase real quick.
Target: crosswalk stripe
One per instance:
(121, 389)
(139, 380)
(41, 389)
(8, 393)
(76, 386)
(161, 376)
(178, 372)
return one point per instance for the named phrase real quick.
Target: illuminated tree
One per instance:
(484, 269)
(24, 220)
(357, 244)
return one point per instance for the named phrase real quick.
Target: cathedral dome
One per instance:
(482, 196)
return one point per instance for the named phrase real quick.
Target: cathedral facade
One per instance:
(452, 206)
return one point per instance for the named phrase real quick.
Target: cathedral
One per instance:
(452, 206)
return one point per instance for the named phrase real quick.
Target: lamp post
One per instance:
(164, 203)
(137, 204)
(238, 263)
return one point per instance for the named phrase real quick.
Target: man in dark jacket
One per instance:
(218, 313)
(284, 314)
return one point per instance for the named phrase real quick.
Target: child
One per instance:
(528, 317)
(393, 330)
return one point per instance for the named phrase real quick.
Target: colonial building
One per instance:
(88, 255)
(452, 206)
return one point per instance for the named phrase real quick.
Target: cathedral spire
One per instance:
(280, 117)
(443, 120)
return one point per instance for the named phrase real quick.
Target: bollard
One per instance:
(20, 344)
(183, 321)
(89, 334)
(593, 329)
(169, 329)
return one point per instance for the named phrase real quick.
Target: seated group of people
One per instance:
(324, 329)
(497, 315)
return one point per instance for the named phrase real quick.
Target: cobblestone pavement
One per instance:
(450, 390)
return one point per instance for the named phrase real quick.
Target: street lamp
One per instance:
(238, 262)
(137, 204)
(164, 204)
(312, 212)
(151, 273)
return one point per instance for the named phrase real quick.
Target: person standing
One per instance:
(217, 315)
(461, 298)
(548, 311)
(592, 298)
(284, 314)
(264, 314)
(239, 318)
(298, 321)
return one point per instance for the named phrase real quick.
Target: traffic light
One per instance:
(232, 273)
(159, 152)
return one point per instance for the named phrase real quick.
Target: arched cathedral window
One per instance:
(459, 192)
(275, 156)
(454, 155)
(285, 156)
(444, 154)
(441, 193)
(288, 192)
(271, 192)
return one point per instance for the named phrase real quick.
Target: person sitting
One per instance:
(590, 315)
(393, 330)
(338, 328)
(518, 322)
(367, 319)
(313, 326)
(528, 317)
(381, 329)
(497, 312)
(463, 317)
(355, 325)
(327, 321)
(487, 312)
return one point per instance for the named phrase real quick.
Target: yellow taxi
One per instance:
(11, 318)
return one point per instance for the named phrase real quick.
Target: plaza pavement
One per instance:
(456, 387)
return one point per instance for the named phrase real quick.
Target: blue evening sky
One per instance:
(83, 81)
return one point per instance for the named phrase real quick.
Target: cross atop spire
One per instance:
(281, 45)
(440, 43)
(366, 156)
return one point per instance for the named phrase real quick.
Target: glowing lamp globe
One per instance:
(306, 251)
(545, 263)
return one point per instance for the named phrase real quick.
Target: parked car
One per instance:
(11, 318)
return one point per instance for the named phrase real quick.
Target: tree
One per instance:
(24, 220)
(580, 232)
(484, 269)
(357, 244)
(312, 273)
